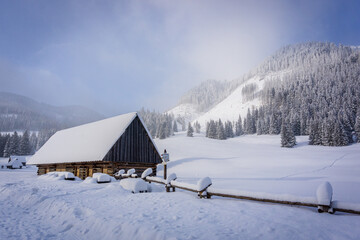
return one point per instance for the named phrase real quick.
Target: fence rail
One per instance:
(208, 191)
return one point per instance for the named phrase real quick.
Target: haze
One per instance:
(118, 56)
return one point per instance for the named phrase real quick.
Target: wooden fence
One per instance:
(208, 191)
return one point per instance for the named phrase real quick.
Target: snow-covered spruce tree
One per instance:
(339, 136)
(287, 135)
(259, 127)
(238, 127)
(24, 145)
(162, 132)
(175, 128)
(220, 130)
(33, 142)
(315, 133)
(357, 126)
(6, 152)
(207, 129)
(229, 132)
(212, 133)
(274, 125)
(14, 144)
(250, 123)
(197, 127)
(190, 131)
(3, 139)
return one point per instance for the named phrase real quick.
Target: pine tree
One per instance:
(24, 145)
(3, 139)
(207, 129)
(190, 131)
(229, 132)
(357, 126)
(33, 142)
(238, 127)
(162, 133)
(197, 127)
(274, 126)
(220, 130)
(339, 135)
(14, 144)
(287, 135)
(7, 148)
(315, 133)
(212, 133)
(175, 128)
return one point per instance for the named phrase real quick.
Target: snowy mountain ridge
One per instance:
(290, 63)
(18, 112)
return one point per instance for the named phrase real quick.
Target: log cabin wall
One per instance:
(86, 169)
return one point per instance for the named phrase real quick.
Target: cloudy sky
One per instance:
(117, 56)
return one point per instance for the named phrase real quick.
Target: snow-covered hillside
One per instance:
(291, 72)
(238, 102)
(36, 208)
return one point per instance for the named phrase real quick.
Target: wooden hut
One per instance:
(120, 142)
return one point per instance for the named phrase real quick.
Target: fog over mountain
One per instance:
(20, 113)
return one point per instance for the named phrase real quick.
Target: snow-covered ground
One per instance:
(35, 208)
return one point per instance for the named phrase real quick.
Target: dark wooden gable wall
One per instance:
(134, 146)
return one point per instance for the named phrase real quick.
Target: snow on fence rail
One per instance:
(323, 200)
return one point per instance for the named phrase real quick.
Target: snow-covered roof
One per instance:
(85, 143)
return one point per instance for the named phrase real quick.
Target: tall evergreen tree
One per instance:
(7, 151)
(190, 131)
(238, 127)
(357, 126)
(220, 130)
(287, 135)
(24, 145)
(175, 128)
(197, 127)
(14, 144)
(212, 133)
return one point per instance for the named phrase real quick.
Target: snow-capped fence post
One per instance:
(165, 158)
(171, 177)
(324, 198)
(202, 186)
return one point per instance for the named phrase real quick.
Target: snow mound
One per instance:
(119, 173)
(102, 177)
(134, 185)
(58, 176)
(146, 173)
(15, 164)
(203, 183)
(90, 180)
(130, 171)
(170, 178)
(324, 194)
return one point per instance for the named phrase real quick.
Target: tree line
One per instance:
(316, 94)
(23, 144)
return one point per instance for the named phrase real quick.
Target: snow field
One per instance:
(41, 209)
(258, 164)
(34, 208)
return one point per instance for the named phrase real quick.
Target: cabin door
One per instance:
(83, 172)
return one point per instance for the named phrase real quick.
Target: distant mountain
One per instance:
(200, 99)
(295, 71)
(19, 113)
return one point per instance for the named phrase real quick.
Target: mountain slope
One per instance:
(296, 68)
(18, 113)
(202, 98)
